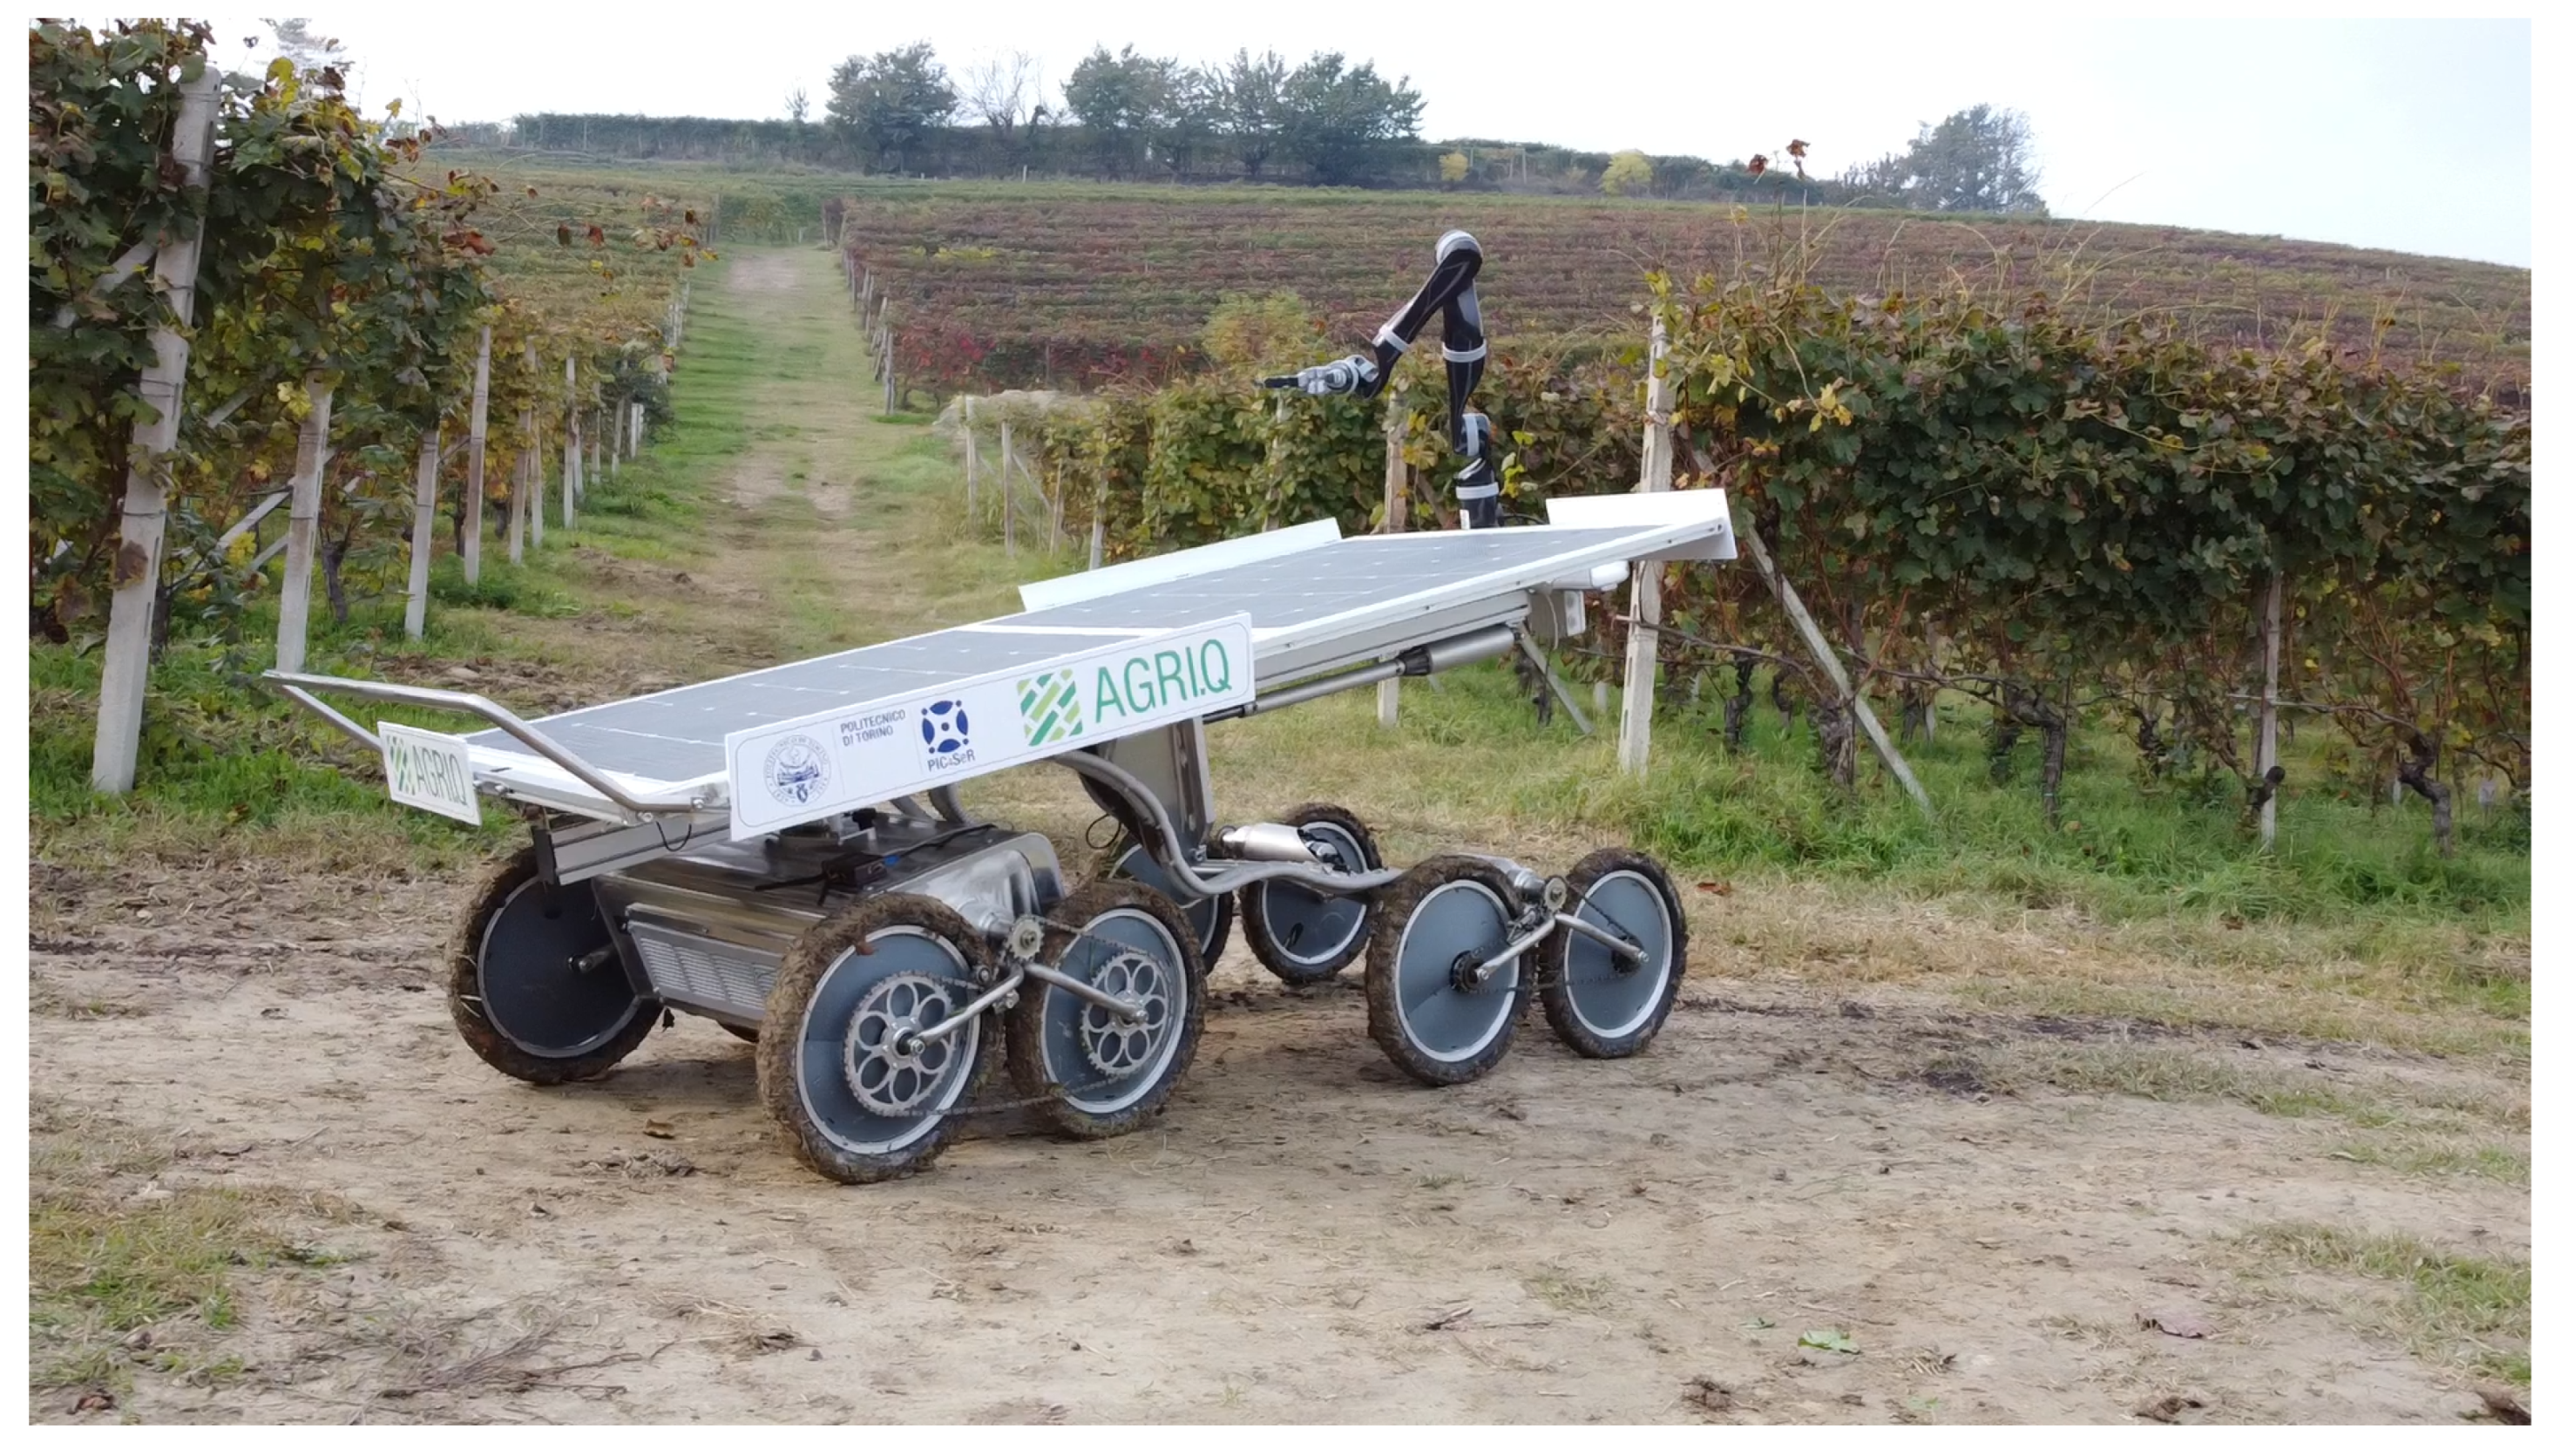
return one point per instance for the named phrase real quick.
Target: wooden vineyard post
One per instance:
(424, 522)
(136, 573)
(1397, 510)
(1644, 642)
(1831, 662)
(303, 524)
(2270, 754)
(1009, 517)
(474, 440)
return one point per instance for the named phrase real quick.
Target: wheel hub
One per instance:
(890, 1068)
(1114, 1044)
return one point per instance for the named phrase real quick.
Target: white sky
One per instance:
(2410, 135)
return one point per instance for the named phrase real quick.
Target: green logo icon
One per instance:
(1050, 708)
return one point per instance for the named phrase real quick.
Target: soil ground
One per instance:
(2004, 1214)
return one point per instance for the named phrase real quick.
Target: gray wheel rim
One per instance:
(1610, 996)
(1115, 1067)
(1202, 914)
(1445, 1024)
(1306, 927)
(839, 1040)
(524, 970)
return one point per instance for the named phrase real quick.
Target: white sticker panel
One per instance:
(430, 771)
(829, 762)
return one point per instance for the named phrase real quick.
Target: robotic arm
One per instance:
(1449, 292)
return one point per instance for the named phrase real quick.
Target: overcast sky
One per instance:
(2410, 135)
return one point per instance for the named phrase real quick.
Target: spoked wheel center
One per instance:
(1467, 974)
(890, 1067)
(1113, 1043)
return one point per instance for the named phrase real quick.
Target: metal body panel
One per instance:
(706, 929)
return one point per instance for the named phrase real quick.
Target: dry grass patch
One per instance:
(2184, 1070)
(122, 1271)
(2468, 1312)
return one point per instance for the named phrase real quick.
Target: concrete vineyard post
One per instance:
(571, 443)
(1397, 510)
(535, 461)
(127, 667)
(424, 522)
(1645, 615)
(1831, 662)
(474, 440)
(970, 461)
(2269, 753)
(303, 524)
(519, 491)
(1009, 516)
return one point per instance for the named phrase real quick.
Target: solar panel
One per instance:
(677, 735)
(1284, 592)
(1310, 599)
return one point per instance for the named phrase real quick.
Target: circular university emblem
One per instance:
(798, 770)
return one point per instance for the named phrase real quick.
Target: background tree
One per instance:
(1250, 101)
(1977, 159)
(1628, 172)
(799, 106)
(1338, 119)
(1121, 100)
(1001, 91)
(891, 100)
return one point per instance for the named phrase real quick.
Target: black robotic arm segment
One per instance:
(1450, 294)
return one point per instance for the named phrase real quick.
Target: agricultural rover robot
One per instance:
(783, 852)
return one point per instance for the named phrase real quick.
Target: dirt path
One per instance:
(1305, 1237)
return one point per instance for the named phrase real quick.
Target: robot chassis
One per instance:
(905, 950)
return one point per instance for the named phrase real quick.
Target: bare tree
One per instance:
(1003, 89)
(799, 106)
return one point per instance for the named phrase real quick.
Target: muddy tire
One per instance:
(1301, 936)
(536, 1015)
(1098, 1078)
(1599, 1004)
(856, 1107)
(1441, 914)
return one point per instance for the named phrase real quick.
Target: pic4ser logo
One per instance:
(946, 739)
(797, 770)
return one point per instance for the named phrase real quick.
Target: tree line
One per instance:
(1126, 115)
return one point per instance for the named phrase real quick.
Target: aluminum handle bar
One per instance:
(475, 704)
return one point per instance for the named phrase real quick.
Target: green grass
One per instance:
(2121, 853)
(2469, 1312)
(111, 1251)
